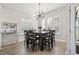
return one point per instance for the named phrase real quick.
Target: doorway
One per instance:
(77, 29)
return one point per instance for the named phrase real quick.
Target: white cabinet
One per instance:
(8, 33)
(9, 38)
(8, 27)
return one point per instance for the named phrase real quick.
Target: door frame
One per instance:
(71, 41)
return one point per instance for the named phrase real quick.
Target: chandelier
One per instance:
(40, 14)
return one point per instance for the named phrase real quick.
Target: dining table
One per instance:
(41, 34)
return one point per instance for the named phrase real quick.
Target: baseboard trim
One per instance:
(60, 40)
(9, 43)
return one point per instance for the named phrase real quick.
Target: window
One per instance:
(44, 24)
(26, 24)
(47, 23)
(56, 24)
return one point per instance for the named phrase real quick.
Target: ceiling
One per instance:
(31, 8)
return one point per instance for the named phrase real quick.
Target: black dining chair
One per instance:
(25, 35)
(28, 38)
(53, 36)
(35, 41)
(47, 40)
(31, 39)
(51, 40)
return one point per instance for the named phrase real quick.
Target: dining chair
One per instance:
(28, 38)
(35, 41)
(51, 39)
(53, 36)
(25, 39)
(47, 40)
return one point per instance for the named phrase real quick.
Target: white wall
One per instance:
(62, 12)
(11, 16)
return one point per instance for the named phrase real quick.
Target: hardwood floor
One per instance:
(19, 49)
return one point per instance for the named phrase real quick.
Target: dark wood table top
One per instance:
(41, 32)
